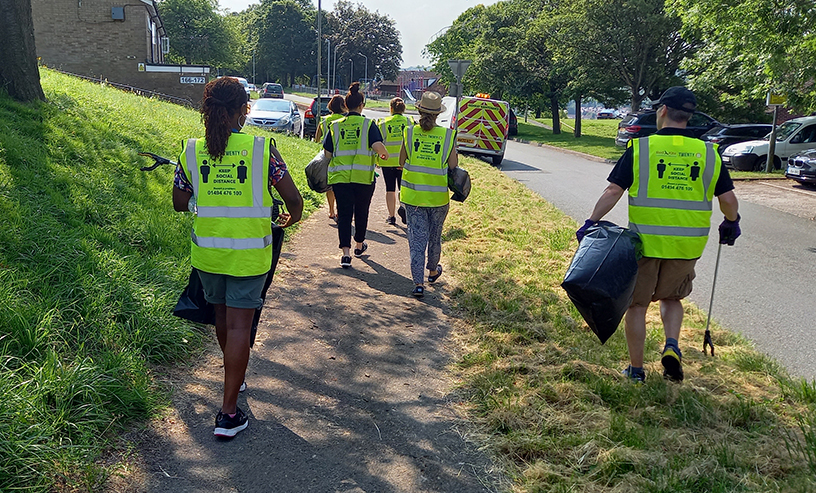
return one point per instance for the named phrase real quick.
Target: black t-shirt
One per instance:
(374, 135)
(623, 174)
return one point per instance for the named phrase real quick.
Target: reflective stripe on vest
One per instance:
(352, 160)
(392, 128)
(425, 174)
(671, 196)
(232, 231)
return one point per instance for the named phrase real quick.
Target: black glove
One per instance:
(582, 231)
(729, 231)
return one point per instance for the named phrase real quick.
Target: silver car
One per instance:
(278, 115)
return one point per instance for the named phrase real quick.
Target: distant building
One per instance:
(121, 42)
(415, 81)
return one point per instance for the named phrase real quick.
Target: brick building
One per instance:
(122, 42)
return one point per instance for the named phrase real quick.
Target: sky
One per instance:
(416, 20)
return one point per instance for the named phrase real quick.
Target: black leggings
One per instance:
(353, 200)
(392, 176)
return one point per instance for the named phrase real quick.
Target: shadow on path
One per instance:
(348, 388)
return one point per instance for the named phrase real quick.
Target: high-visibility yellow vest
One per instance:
(326, 121)
(232, 232)
(671, 196)
(352, 160)
(425, 174)
(392, 128)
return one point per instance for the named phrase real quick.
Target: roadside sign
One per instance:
(775, 99)
(192, 80)
(459, 67)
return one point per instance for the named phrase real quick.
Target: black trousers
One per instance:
(353, 200)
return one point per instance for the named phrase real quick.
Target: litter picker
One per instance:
(707, 338)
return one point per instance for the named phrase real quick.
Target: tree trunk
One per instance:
(637, 99)
(19, 73)
(556, 115)
(538, 112)
(577, 131)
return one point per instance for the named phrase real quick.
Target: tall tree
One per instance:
(19, 74)
(637, 41)
(199, 34)
(285, 41)
(750, 47)
(354, 30)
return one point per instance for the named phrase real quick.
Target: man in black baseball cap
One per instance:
(679, 98)
(670, 208)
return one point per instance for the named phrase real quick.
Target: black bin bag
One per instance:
(601, 278)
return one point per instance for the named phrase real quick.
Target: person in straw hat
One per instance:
(428, 152)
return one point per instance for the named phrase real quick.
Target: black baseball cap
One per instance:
(679, 98)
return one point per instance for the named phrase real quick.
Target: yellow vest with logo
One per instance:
(671, 196)
(425, 174)
(326, 121)
(232, 232)
(352, 160)
(392, 128)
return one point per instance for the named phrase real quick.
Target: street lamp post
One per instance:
(351, 76)
(328, 62)
(334, 71)
(365, 77)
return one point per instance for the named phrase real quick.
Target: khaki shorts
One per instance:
(662, 279)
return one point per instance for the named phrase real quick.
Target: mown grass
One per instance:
(551, 400)
(595, 139)
(92, 259)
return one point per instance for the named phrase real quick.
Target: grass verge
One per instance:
(92, 259)
(551, 400)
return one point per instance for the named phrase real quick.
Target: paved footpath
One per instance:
(348, 388)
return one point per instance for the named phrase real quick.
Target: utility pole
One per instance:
(319, 46)
(253, 66)
(351, 75)
(334, 71)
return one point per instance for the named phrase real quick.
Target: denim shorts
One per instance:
(235, 292)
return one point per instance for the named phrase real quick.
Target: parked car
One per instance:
(272, 90)
(311, 118)
(802, 167)
(608, 114)
(792, 137)
(252, 87)
(644, 123)
(731, 134)
(276, 115)
(512, 128)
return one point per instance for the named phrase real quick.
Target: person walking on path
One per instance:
(225, 179)
(427, 153)
(351, 144)
(392, 128)
(338, 109)
(672, 179)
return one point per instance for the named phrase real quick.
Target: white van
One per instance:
(482, 128)
(792, 137)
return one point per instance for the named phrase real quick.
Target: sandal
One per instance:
(438, 273)
(418, 292)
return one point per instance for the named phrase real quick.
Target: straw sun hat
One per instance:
(431, 102)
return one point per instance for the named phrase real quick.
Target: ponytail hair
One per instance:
(397, 106)
(354, 98)
(427, 121)
(223, 98)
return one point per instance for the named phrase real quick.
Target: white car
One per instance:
(278, 115)
(792, 137)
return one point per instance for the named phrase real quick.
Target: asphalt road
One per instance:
(765, 287)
